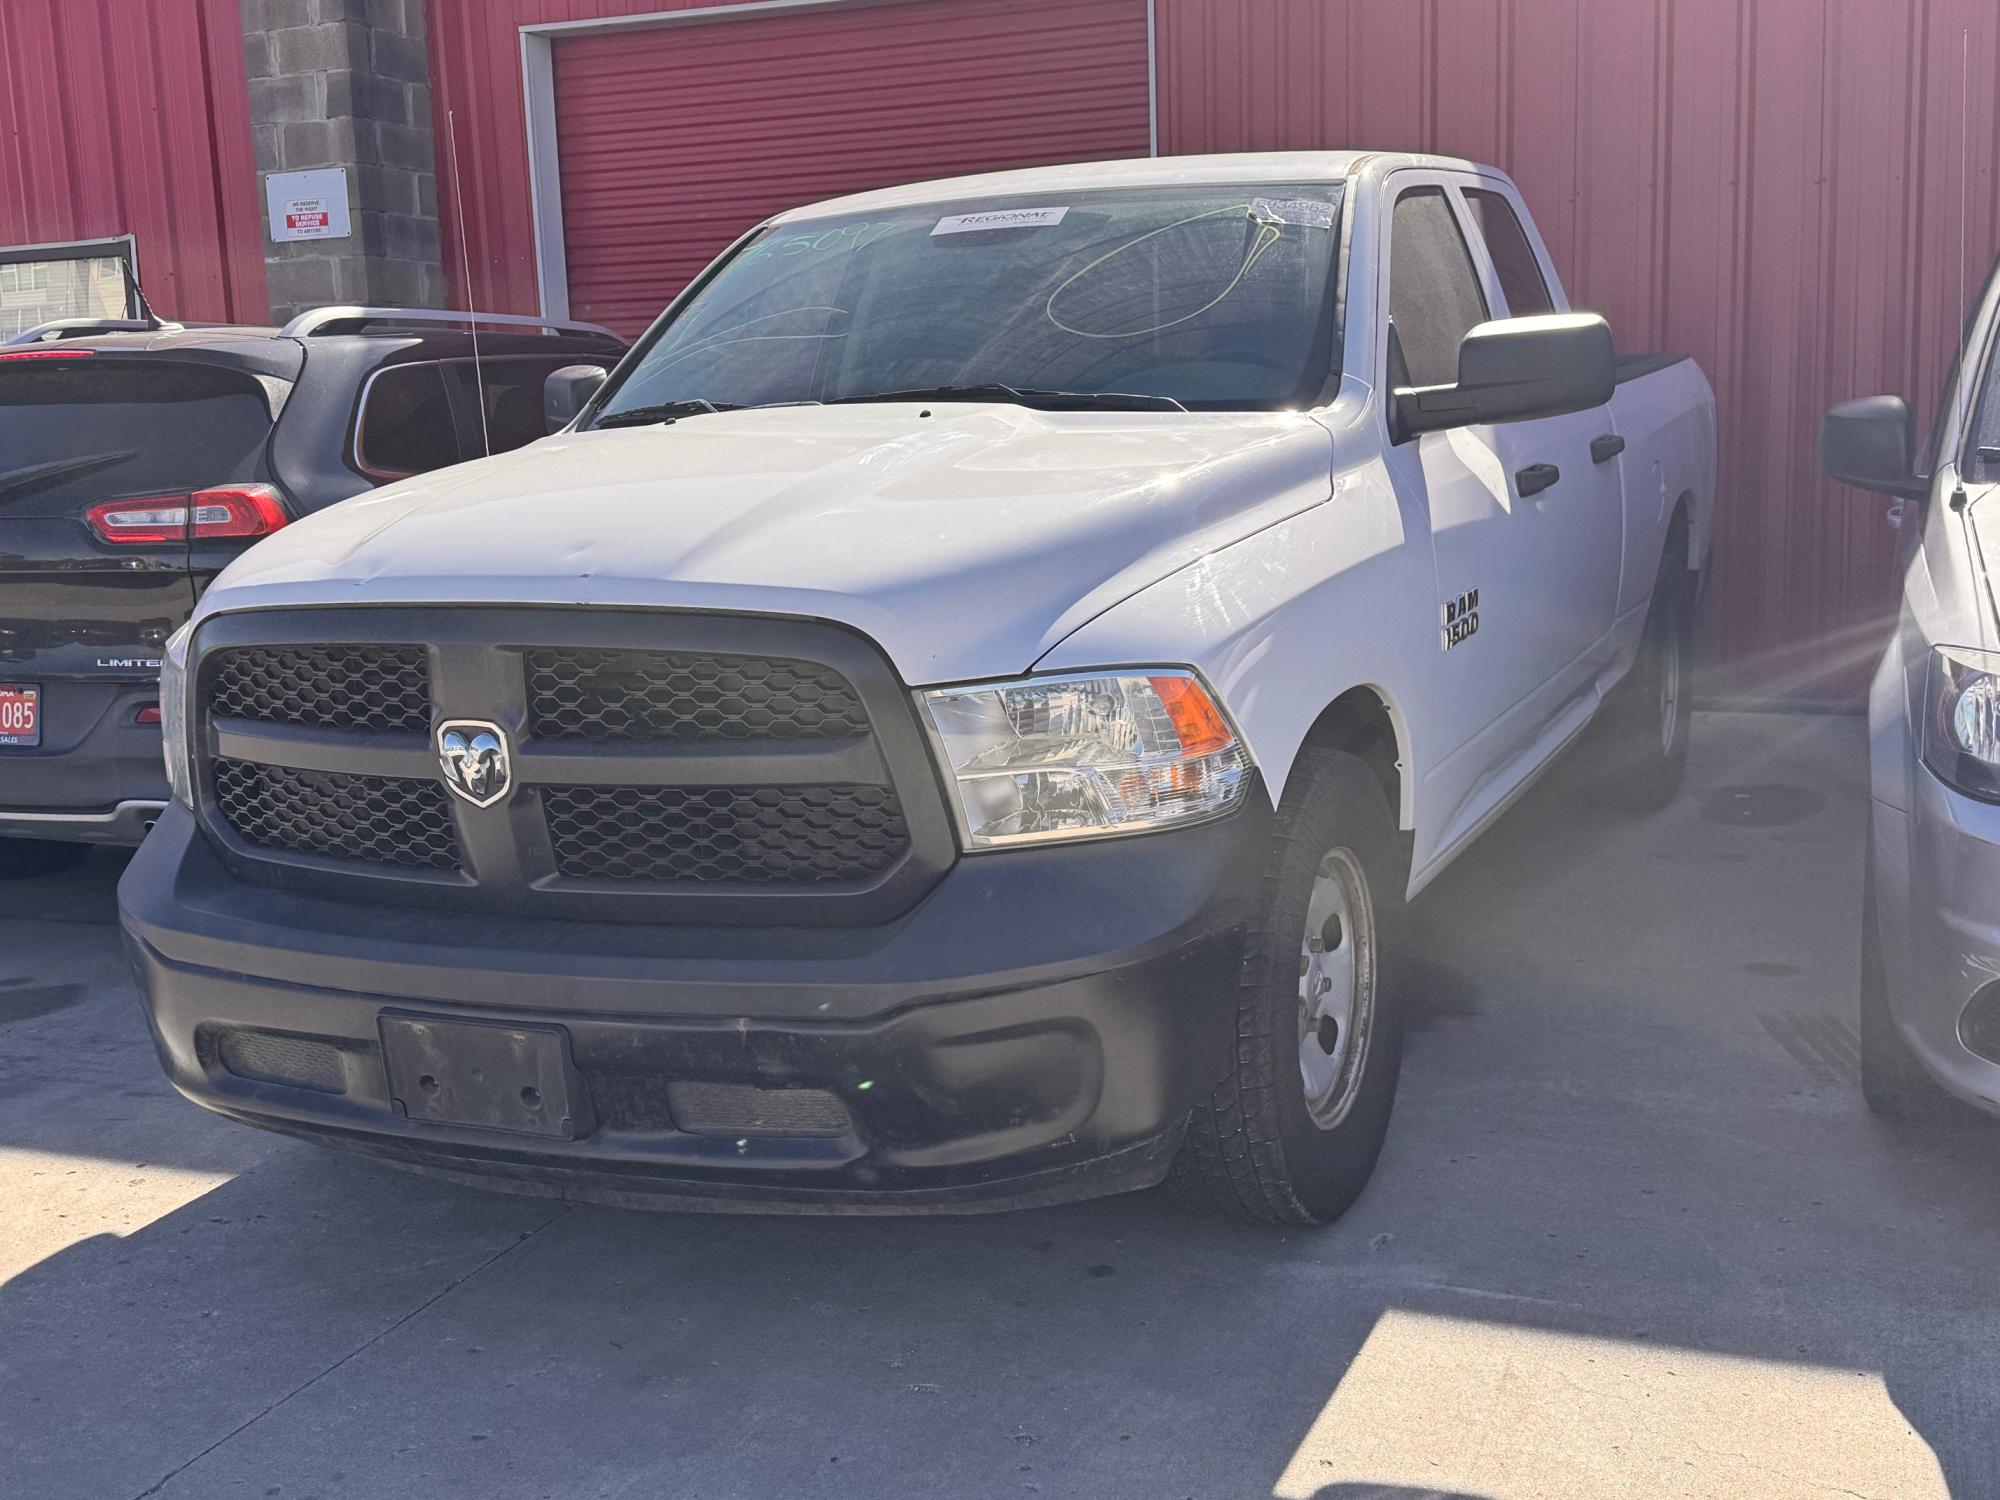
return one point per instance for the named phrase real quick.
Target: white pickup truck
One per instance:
(952, 721)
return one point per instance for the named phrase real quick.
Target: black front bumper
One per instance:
(1035, 1029)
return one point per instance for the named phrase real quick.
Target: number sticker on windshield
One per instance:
(1309, 212)
(843, 237)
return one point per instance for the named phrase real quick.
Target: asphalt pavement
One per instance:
(1634, 1234)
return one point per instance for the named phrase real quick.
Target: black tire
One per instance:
(1895, 1084)
(1253, 1150)
(22, 858)
(1642, 753)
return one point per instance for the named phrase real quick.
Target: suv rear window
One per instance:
(154, 426)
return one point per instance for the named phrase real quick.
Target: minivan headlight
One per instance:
(1962, 720)
(1047, 758)
(173, 714)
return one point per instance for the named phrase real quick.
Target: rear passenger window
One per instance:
(406, 423)
(1434, 294)
(1520, 273)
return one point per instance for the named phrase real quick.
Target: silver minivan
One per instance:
(1930, 951)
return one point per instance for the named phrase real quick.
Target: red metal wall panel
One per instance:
(675, 140)
(1773, 188)
(476, 76)
(133, 117)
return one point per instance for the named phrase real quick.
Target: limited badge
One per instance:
(473, 756)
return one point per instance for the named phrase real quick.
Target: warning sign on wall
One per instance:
(308, 205)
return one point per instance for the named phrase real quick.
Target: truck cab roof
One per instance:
(1153, 171)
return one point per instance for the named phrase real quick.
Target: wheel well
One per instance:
(1680, 528)
(1361, 723)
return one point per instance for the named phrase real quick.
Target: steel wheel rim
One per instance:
(1337, 978)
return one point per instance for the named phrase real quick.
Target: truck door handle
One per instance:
(1604, 449)
(1536, 478)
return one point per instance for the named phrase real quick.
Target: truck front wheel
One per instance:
(1292, 1131)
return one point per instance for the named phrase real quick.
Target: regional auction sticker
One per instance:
(999, 218)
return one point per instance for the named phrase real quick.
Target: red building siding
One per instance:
(1771, 187)
(133, 117)
(475, 49)
(674, 140)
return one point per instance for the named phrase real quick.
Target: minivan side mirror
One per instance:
(1515, 370)
(568, 390)
(1871, 444)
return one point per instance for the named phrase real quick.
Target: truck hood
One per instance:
(965, 539)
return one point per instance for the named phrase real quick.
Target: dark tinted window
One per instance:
(131, 427)
(1434, 295)
(406, 423)
(513, 390)
(1513, 257)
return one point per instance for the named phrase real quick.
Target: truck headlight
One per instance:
(173, 714)
(1048, 758)
(1962, 720)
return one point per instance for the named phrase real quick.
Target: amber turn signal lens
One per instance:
(1195, 717)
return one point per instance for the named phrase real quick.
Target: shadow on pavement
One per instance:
(1606, 1179)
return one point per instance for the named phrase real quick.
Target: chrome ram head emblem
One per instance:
(473, 754)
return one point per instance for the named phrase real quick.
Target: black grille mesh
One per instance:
(377, 819)
(385, 688)
(668, 695)
(726, 1108)
(300, 1062)
(804, 835)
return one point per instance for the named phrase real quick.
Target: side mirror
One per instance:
(1515, 370)
(1871, 444)
(567, 391)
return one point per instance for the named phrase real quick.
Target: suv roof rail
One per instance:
(83, 328)
(321, 319)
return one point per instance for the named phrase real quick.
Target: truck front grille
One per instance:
(384, 688)
(671, 695)
(370, 819)
(802, 835)
(663, 767)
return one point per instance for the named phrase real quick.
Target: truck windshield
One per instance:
(1215, 298)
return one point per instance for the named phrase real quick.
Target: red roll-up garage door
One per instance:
(675, 139)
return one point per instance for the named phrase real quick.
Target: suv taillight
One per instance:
(237, 510)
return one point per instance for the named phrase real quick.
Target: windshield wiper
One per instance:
(36, 476)
(662, 411)
(1045, 400)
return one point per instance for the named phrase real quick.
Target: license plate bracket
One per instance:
(20, 714)
(488, 1075)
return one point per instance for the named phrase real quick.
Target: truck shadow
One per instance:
(330, 1319)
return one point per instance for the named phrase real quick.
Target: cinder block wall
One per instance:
(346, 83)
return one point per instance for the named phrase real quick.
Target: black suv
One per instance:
(138, 458)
